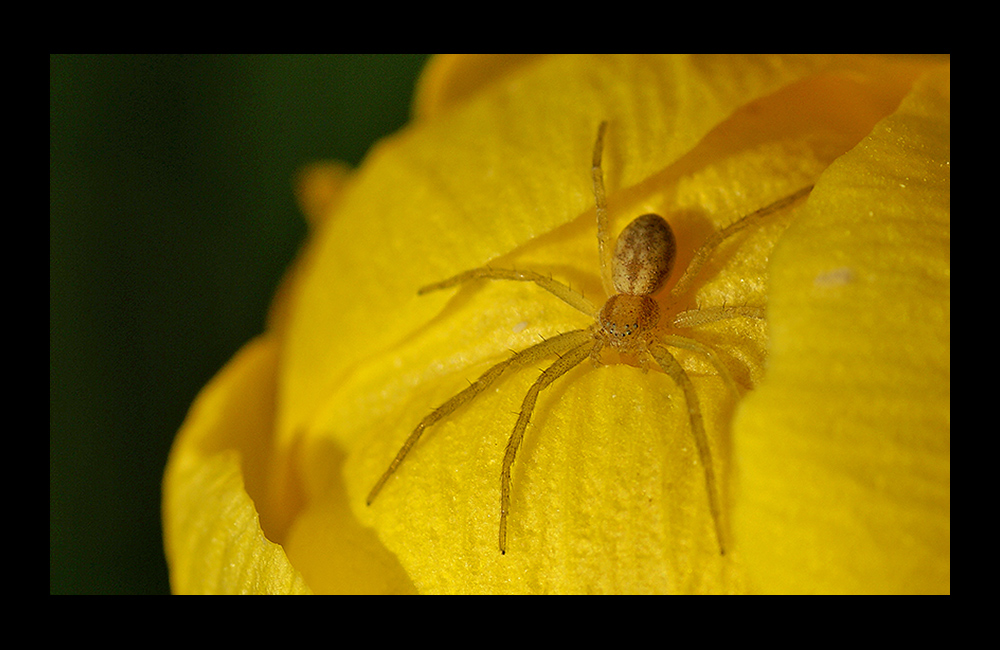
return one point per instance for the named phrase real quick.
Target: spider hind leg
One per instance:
(670, 366)
(559, 367)
(558, 344)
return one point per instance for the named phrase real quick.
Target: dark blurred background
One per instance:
(171, 219)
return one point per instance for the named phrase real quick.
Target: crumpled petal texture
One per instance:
(213, 535)
(845, 448)
(608, 493)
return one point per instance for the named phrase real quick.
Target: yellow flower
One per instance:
(838, 461)
(845, 447)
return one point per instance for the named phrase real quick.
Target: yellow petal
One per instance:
(450, 79)
(318, 188)
(608, 493)
(226, 510)
(214, 542)
(482, 181)
(844, 449)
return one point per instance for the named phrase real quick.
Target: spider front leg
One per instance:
(695, 317)
(703, 254)
(670, 366)
(709, 353)
(558, 344)
(560, 367)
(556, 288)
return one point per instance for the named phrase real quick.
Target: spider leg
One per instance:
(676, 372)
(695, 317)
(556, 345)
(708, 352)
(561, 366)
(558, 289)
(702, 255)
(600, 199)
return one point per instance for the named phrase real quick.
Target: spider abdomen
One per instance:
(644, 256)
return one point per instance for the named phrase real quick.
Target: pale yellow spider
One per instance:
(629, 322)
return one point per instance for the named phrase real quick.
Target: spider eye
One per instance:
(623, 316)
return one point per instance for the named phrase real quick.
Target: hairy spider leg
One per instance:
(572, 347)
(560, 367)
(670, 366)
(703, 254)
(556, 345)
(603, 236)
(556, 288)
(708, 352)
(695, 317)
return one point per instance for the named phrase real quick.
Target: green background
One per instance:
(171, 220)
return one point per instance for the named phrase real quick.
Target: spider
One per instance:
(629, 322)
